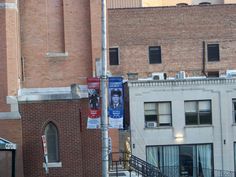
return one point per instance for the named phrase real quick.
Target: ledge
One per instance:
(181, 82)
(53, 165)
(10, 115)
(57, 54)
(8, 5)
(198, 126)
(158, 128)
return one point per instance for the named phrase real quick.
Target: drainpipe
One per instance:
(204, 58)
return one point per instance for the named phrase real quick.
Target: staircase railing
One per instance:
(124, 161)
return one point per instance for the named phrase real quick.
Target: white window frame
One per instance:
(156, 112)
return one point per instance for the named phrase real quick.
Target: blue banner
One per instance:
(116, 104)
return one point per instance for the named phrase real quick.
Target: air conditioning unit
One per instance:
(158, 76)
(230, 73)
(151, 124)
(181, 75)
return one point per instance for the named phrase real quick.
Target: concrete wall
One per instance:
(180, 31)
(220, 92)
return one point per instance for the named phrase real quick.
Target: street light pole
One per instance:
(104, 120)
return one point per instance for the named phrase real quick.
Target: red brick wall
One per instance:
(179, 31)
(80, 149)
(11, 130)
(9, 55)
(3, 61)
(41, 71)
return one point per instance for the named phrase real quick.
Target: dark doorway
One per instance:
(7, 158)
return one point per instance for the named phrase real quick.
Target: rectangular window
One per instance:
(114, 56)
(157, 114)
(182, 160)
(213, 74)
(198, 112)
(234, 110)
(213, 52)
(154, 54)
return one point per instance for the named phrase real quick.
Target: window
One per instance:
(213, 74)
(213, 52)
(188, 160)
(198, 112)
(114, 56)
(234, 110)
(51, 134)
(234, 156)
(154, 54)
(157, 114)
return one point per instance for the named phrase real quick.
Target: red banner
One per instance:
(94, 113)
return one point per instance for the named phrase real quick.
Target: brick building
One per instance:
(199, 40)
(48, 46)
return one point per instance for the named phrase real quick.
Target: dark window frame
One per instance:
(114, 56)
(199, 115)
(234, 109)
(213, 74)
(157, 115)
(213, 52)
(161, 155)
(49, 129)
(154, 53)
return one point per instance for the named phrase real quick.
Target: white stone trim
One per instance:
(8, 5)
(9, 115)
(182, 82)
(55, 93)
(53, 165)
(57, 54)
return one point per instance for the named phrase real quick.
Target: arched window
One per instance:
(51, 134)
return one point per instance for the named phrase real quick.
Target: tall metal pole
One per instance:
(104, 121)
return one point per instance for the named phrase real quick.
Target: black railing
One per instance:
(176, 171)
(144, 168)
(121, 161)
(124, 161)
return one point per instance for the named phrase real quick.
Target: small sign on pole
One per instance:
(109, 145)
(45, 151)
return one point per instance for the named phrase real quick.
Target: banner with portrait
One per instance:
(94, 111)
(116, 104)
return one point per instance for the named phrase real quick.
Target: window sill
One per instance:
(234, 124)
(198, 126)
(57, 54)
(161, 127)
(53, 165)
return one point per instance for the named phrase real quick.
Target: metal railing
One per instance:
(175, 171)
(124, 161)
(144, 168)
(121, 161)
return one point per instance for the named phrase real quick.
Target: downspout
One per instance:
(204, 58)
(221, 132)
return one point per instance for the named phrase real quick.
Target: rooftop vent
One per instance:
(204, 3)
(159, 76)
(132, 76)
(182, 4)
(181, 75)
(231, 73)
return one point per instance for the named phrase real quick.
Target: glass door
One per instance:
(187, 161)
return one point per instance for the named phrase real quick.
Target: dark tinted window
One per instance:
(114, 57)
(154, 54)
(213, 52)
